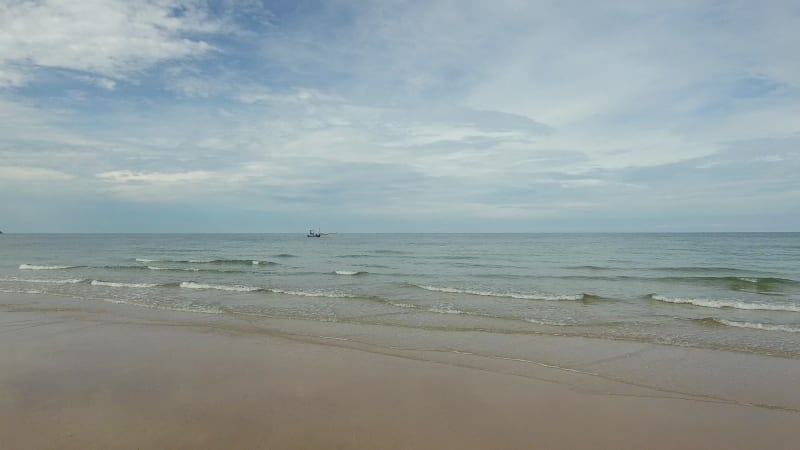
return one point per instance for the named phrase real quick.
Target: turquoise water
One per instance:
(738, 291)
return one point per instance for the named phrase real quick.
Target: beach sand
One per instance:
(78, 374)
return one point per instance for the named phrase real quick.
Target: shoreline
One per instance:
(88, 374)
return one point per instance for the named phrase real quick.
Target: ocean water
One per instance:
(733, 291)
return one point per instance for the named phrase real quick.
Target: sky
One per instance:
(399, 116)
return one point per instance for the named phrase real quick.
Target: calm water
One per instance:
(733, 291)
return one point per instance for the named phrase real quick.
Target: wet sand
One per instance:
(78, 374)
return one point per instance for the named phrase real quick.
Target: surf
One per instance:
(719, 303)
(515, 295)
(45, 267)
(750, 325)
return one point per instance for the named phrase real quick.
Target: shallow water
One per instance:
(737, 291)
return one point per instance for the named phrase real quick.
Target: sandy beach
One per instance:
(80, 374)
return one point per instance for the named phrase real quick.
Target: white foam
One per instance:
(146, 260)
(35, 267)
(546, 322)
(219, 287)
(346, 272)
(310, 294)
(182, 307)
(749, 280)
(69, 281)
(185, 269)
(26, 291)
(403, 305)
(446, 310)
(713, 303)
(500, 294)
(759, 326)
(127, 285)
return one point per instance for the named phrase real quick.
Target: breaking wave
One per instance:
(715, 303)
(181, 269)
(68, 281)
(218, 287)
(349, 272)
(751, 325)
(238, 288)
(451, 290)
(35, 267)
(252, 262)
(309, 294)
(127, 285)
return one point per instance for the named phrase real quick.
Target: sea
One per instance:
(728, 291)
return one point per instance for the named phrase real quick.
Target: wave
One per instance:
(17, 291)
(698, 269)
(128, 285)
(590, 267)
(402, 305)
(251, 262)
(149, 267)
(194, 269)
(180, 307)
(119, 267)
(751, 325)
(348, 272)
(446, 310)
(552, 323)
(218, 287)
(451, 290)
(238, 288)
(739, 282)
(183, 269)
(35, 267)
(285, 255)
(761, 285)
(309, 294)
(486, 266)
(68, 281)
(715, 303)
(765, 280)
(686, 269)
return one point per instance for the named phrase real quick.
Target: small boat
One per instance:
(312, 233)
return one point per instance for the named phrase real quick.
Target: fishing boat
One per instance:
(312, 233)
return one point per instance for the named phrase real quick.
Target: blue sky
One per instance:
(393, 116)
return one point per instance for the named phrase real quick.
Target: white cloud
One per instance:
(106, 83)
(127, 176)
(17, 174)
(112, 38)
